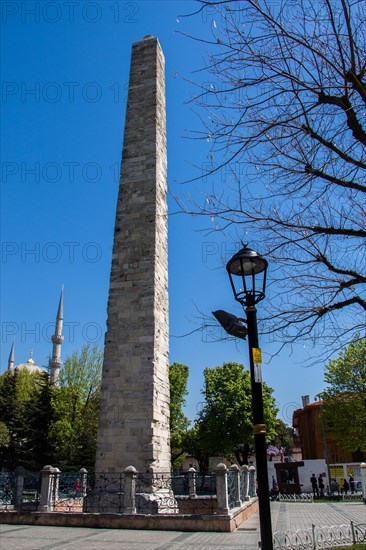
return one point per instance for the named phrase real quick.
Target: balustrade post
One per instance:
(129, 504)
(56, 485)
(252, 482)
(19, 485)
(83, 475)
(222, 489)
(192, 482)
(46, 501)
(245, 482)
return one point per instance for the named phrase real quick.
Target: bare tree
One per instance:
(285, 111)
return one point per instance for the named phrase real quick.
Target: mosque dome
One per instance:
(29, 366)
(55, 362)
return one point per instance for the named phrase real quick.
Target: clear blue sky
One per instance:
(64, 79)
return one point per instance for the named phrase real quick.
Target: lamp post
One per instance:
(243, 269)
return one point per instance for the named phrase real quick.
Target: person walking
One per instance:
(321, 485)
(352, 483)
(334, 487)
(345, 486)
(77, 487)
(314, 485)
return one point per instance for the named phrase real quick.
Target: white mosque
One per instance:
(55, 362)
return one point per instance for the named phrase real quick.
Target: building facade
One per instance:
(312, 435)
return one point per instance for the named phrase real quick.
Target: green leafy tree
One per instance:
(10, 415)
(25, 410)
(283, 434)
(83, 371)
(45, 424)
(4, 435)
(37, 450)
(179, 423)
(75, 405)
(283, 442)
(225, 425)
(195, 444)
(4, 441)
(345, 397)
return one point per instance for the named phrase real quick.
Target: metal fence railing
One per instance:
(319, 538)
(128, 492)
(7, 488)
(309, 497)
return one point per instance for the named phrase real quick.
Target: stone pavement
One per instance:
(285, 516)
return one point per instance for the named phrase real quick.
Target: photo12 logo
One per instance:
(51, 252)
(55, 172)
(214, 16)
(216, 254)
(73, 331)
(288, 409)
(63, 92)
(69, 11)
(34, 333)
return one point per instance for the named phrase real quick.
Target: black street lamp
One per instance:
(232, 324)
(247, 272)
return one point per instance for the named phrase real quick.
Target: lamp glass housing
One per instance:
(243, 269)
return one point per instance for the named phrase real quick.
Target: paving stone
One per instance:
(287, 516)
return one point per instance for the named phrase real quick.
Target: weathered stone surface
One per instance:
(134, 413)
(166, 522)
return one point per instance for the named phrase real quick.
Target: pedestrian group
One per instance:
(317, 485)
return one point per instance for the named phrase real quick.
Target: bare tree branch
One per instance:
(284, 112)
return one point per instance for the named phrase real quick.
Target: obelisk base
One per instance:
(159, 502)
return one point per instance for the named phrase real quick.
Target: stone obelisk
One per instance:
(134, 411)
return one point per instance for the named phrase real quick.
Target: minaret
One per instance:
(11, 360)
(134, 409)
(57, 339)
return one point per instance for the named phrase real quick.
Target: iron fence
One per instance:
(154, 493)
(195, 492)
(104, 493)
(309, 497)
(205, 484)
(231, 487)
(302, 497)
(128, 492)
(243, 486)
(68, 492)
(31, 492)
(7, 490)
(319, 538)
(183, 492)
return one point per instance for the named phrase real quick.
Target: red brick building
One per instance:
(312, 435)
